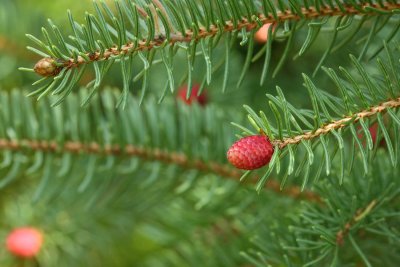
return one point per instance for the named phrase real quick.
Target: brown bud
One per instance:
(47, 67)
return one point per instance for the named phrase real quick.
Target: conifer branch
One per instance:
(361, 98)
(229, 26)
(395, 103)
(359, 205)
(148, 155)
(157, 27)
(360, 214)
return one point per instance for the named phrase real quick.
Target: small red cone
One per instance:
(194, 97)
(251, 152)
(24, 242)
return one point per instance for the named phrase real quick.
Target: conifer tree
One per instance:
(200, 133)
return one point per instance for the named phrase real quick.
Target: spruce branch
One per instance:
(229, 26)
(320, 132)
(368, 206)
(130, 150)
(169, 145)
(360, 214)
(338, 124)
(157, 30)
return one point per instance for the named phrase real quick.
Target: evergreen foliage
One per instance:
(116, 170)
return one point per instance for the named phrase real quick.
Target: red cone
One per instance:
(194, 97)
(251, 152)
(24, 242)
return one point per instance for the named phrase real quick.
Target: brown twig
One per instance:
(229, 26)
(150, 155)
(394, 103)
(360, 214)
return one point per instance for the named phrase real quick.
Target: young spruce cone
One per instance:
(251, 152)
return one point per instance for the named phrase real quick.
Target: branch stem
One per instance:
(229, 26)
(360, 214)
(149, 155)
(394, 103)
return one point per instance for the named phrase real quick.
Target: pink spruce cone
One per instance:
(24, 242)
(202, 99)
(251, 152)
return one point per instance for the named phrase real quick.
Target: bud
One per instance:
(47, 67)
